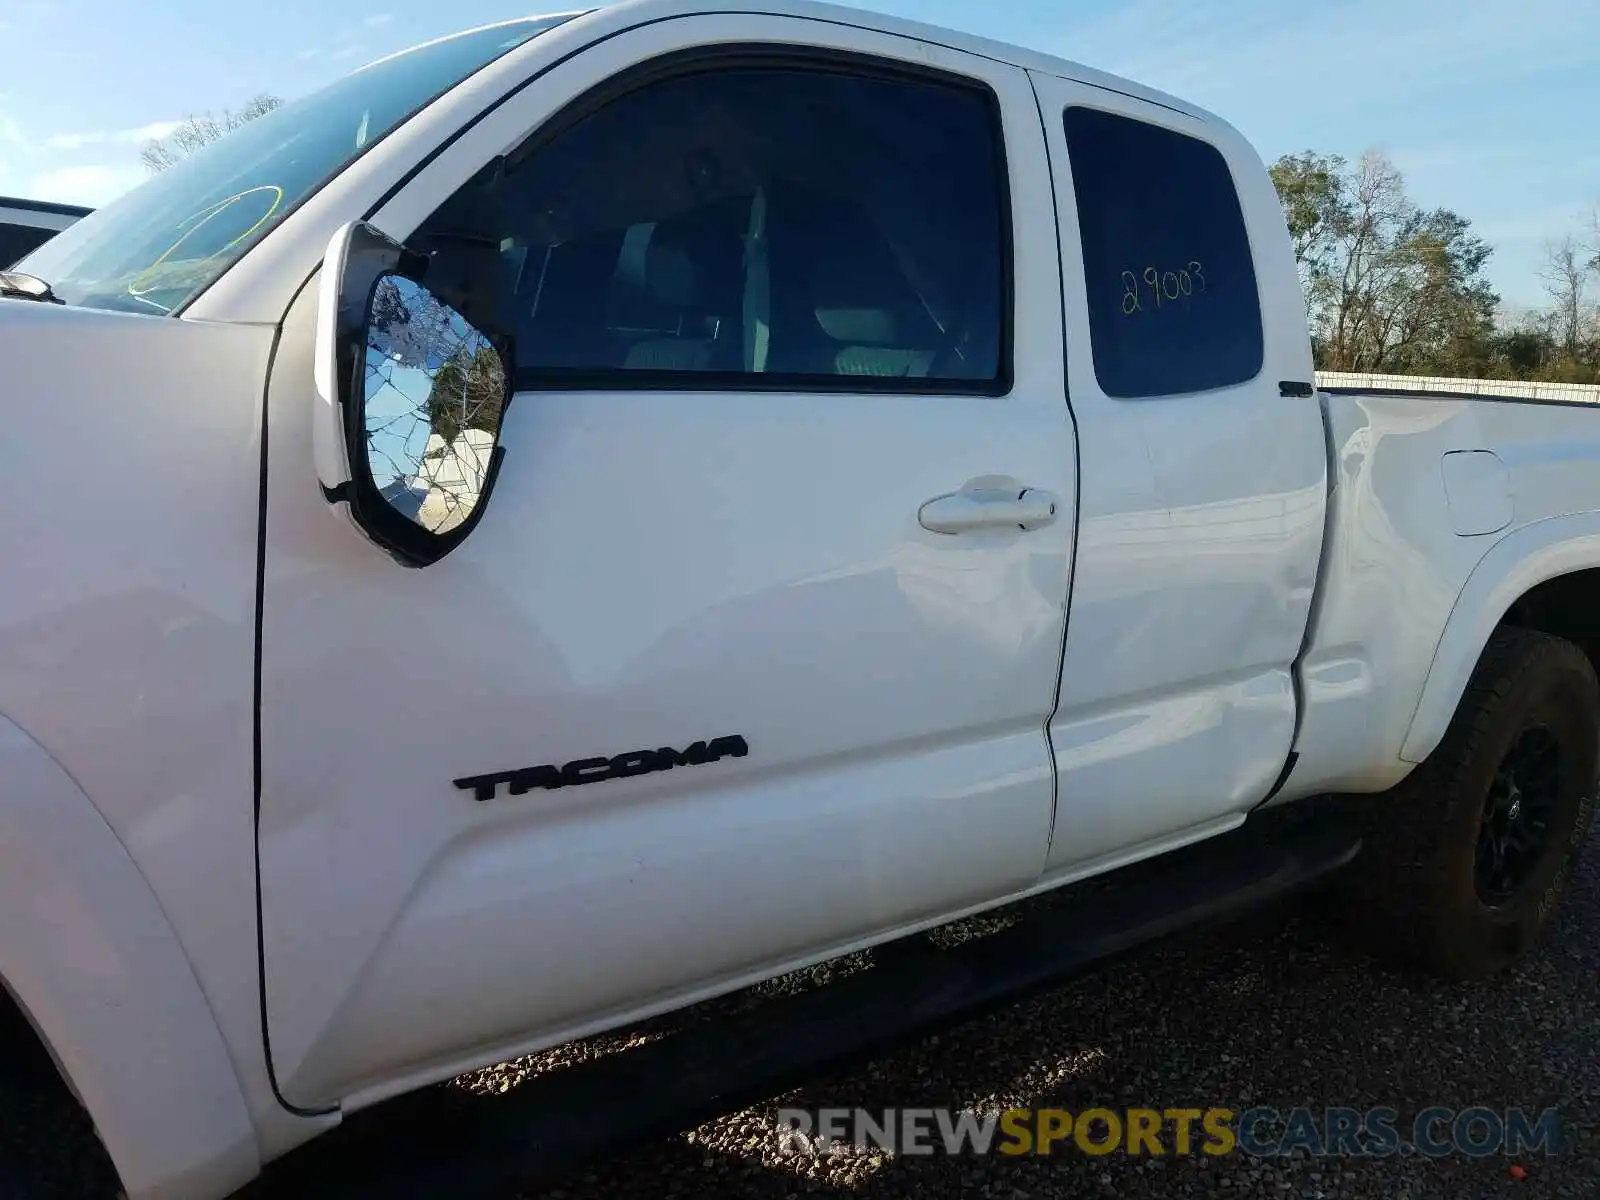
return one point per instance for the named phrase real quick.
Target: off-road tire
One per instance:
(1415, 889)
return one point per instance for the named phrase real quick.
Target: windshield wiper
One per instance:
(27, 287)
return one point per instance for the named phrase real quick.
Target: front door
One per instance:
(772, 584)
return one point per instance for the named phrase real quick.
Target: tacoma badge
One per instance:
(593, 770)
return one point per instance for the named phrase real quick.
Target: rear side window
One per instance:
(790, 225)
(1173, 304)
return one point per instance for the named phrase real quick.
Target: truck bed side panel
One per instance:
(1423, 489)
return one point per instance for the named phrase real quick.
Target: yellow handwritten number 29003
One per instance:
(1164, 286)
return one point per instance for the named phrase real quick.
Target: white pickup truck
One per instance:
(595, 512)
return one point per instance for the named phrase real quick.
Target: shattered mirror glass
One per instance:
(433, 393)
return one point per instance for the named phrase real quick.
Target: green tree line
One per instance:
(1397, 289)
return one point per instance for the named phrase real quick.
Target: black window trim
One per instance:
(1205, 140)
(29, 237)
(709, 59)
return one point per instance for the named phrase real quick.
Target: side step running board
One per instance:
(480, 1146)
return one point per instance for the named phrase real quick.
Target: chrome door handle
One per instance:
(965, 511)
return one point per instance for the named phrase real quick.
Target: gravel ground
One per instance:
(1269, 1011)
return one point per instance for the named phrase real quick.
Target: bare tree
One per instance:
(1389, 286)
(1375, 210)
(1566, 273)
(202, 129)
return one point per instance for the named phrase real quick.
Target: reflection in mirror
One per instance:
(433, 395)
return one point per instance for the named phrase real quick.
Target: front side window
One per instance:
(17, 240)
(770, 225)
(1173, 305)
(168, 239)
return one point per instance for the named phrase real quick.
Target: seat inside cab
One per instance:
(726, 224)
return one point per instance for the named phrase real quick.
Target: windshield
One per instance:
(170, 237)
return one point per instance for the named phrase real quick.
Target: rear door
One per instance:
(1204, 475)
(788, 361)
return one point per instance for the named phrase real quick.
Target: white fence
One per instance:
(1583, 392)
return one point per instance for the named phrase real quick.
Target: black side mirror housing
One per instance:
(410, 398)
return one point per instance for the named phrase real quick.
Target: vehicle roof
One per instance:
(968, 43)
(44, 206)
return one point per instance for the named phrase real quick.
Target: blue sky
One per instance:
(1487, 106)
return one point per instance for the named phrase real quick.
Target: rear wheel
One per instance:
(1468, 858)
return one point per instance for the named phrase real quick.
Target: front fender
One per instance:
(87, 952)
(1521, 560)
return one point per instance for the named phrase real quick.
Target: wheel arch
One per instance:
(97, 971)
(1545, 576)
